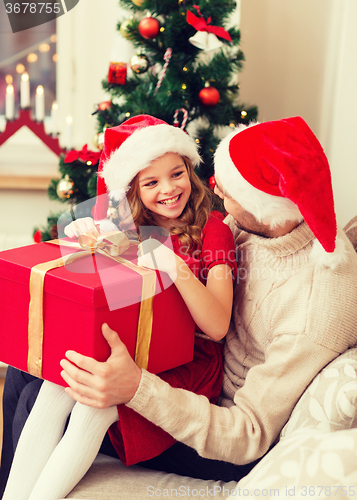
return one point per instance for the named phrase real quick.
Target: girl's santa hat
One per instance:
(279, 172)
(133, 146)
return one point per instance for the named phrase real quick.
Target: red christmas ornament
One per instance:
(37, 236)
(149, 28)
(117, 73)
(212, 182)
(104, 105)
(209, 96)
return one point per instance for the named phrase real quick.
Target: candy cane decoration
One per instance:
(185, 117)
(167, 57)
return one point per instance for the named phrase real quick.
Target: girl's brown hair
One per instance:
(193, 217)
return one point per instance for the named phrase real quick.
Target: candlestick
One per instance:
(25, 91)
(54, 117)
(69, 121)
(40, 104)
(10, 103)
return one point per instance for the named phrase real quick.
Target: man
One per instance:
(295, 308)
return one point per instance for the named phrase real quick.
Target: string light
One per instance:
(44, 47)
(32, 57)
(243, 114)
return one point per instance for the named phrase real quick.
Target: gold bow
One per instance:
(113, 243)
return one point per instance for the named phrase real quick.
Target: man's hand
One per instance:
(102, 384)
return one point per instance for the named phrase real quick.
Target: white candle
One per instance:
(25, 91)
(40, 104)
(69, 121)
(10, 103)
(54, 117)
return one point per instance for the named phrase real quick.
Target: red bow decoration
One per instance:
(200, 24)
(83, 155)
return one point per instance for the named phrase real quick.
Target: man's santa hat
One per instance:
(279, 172)
(133, 146)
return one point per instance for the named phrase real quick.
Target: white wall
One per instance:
(300, 60)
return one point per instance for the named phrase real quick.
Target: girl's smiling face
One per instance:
(165, 187)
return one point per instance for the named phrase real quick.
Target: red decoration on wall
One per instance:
(25, 120)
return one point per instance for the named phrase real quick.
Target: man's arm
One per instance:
(238, 434)
(246, 430)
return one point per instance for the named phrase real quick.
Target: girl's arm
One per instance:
(210, 305)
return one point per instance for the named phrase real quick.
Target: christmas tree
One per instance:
(173, 59)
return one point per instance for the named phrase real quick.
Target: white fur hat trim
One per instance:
(266, 208)
(143, 147)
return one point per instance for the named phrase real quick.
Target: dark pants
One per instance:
(20, 393)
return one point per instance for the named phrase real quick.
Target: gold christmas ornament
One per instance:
(98, 140)
(138, 3)
(65, 188)
(139, 63)
(124, 29)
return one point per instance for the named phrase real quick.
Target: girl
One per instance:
(154, 163)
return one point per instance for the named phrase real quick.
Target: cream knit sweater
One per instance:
(290, 318)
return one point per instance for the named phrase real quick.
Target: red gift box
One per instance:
(117, 73)
(75, 305)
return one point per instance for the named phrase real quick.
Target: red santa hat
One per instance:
(278, 172)
(131, 147)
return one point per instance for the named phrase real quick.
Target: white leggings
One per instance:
(47, 466)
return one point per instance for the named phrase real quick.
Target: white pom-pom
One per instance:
(331, 260)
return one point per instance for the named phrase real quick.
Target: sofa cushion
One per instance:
(306, 464)
(330, 401)
(351, 231)
(109, 479)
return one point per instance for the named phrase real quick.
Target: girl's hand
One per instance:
(154, 255)
(79, 226)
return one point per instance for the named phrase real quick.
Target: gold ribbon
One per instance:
(111, 245)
